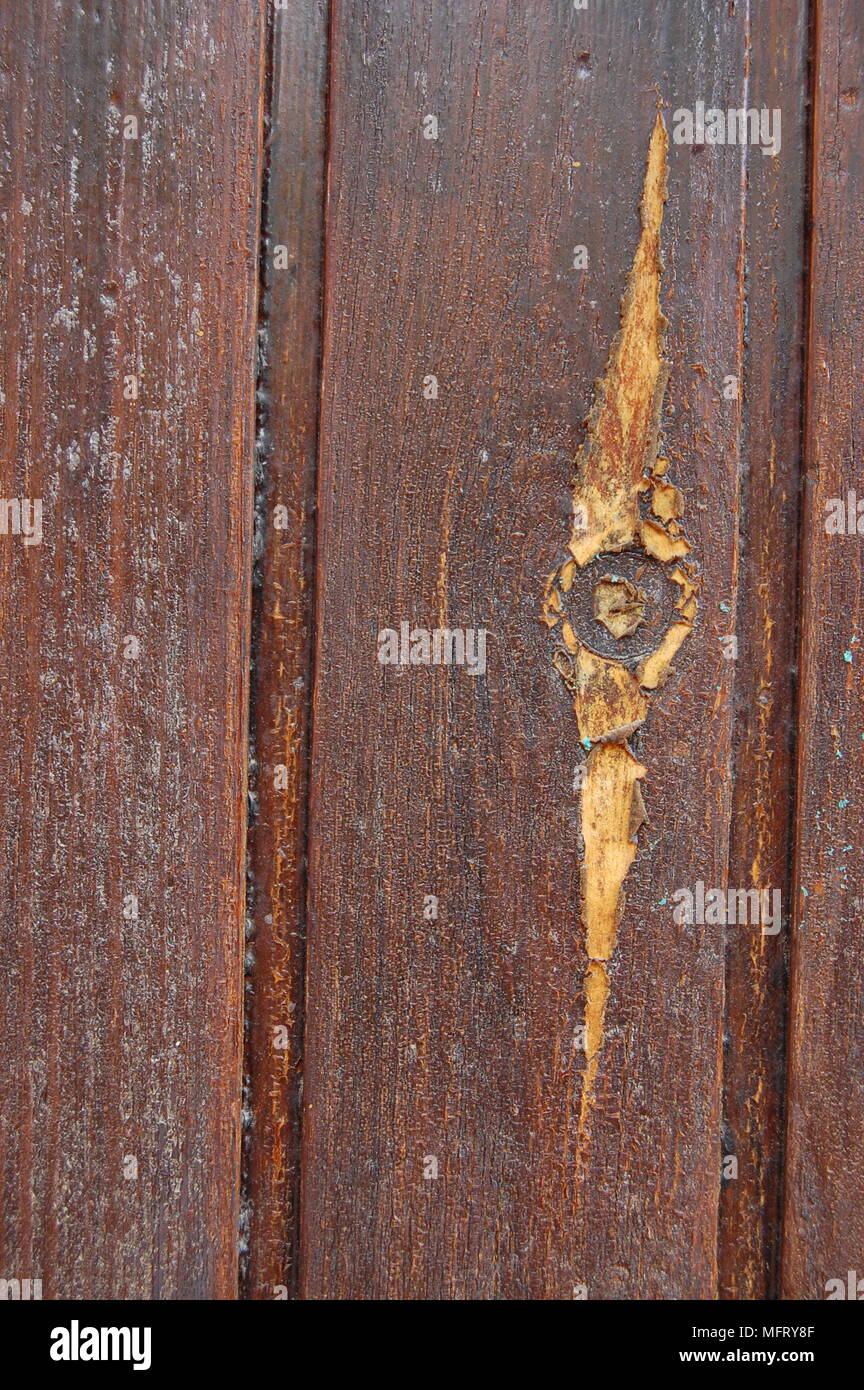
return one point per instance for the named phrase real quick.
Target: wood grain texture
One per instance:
(765, 626)
(458, 1038)
(121, 774)
(410, 226)
(824, 1221)
(288, 440)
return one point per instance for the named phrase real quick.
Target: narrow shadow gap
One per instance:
(262, 450)
(287, 427)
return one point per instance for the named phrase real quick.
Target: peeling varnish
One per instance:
(618, 469)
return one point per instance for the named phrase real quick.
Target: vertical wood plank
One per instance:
(824, 1222)
(124, 651)
(444, 1035)
(288, 441)
(765, 627)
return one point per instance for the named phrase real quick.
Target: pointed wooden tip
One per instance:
(654, 189)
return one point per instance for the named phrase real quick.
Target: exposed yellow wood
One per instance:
(623, 424)
(612, 813)
(619, 606)
(619, 464)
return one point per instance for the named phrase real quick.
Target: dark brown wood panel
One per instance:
(824, 1219)
(288, 441)
(314, 331)
(766, 633)
(128, 304)
(456, 1038)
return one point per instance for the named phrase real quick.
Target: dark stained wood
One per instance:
(765, 627)
(288, 393)
(119, 776)
(824, 1219)
(457, 1038)
(421, 1119)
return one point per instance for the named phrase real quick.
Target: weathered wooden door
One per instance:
(431, 649)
